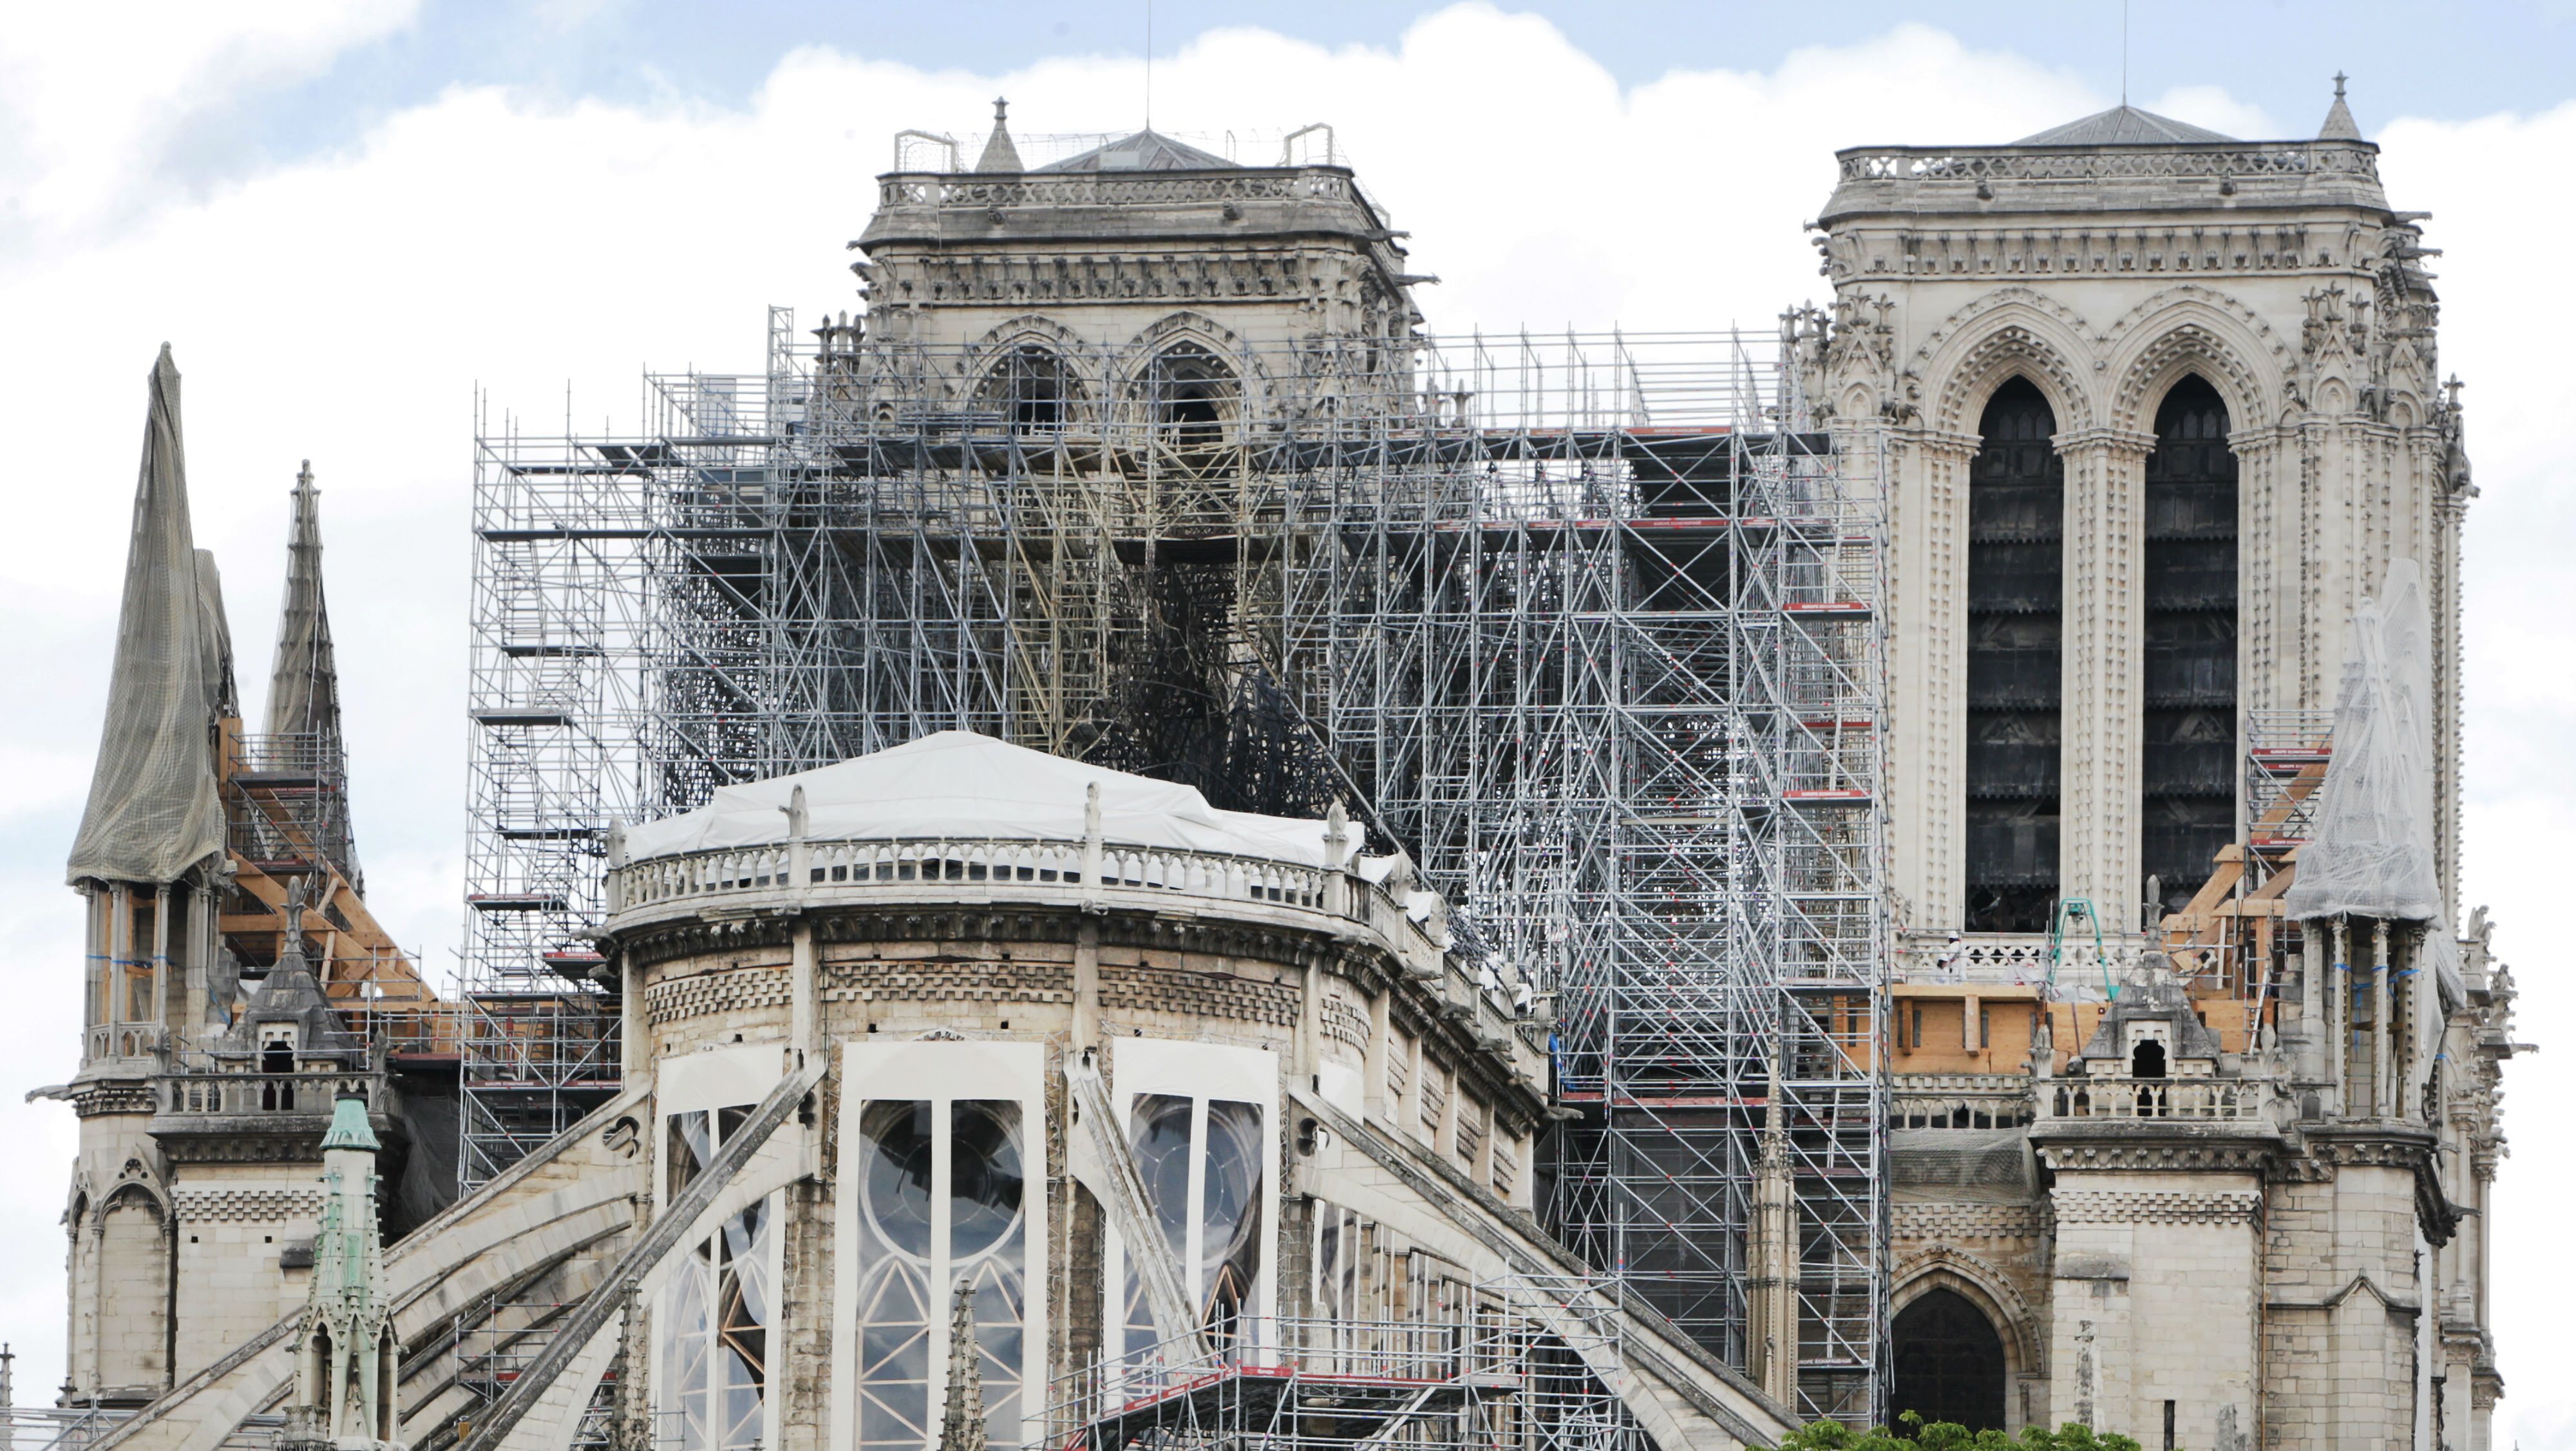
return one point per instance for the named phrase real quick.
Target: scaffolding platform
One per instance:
(1591, 626)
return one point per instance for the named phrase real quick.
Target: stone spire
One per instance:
(153, 811)
(961, 1419)
(304, 676)
(999, 154)
(2339, 123)
(344, 1383)
(304, 681)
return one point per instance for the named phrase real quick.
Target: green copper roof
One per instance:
(349, 1127)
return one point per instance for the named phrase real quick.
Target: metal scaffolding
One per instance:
(1588, 625)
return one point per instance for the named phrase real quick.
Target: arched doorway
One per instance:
(1949, 1363)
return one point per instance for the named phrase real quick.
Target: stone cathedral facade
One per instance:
(975, 1095)
(2167, 433)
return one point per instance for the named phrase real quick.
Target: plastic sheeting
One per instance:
(153, 812)
(2371, 854)
(304, 675)
(960, 784)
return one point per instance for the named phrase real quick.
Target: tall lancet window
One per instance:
(2016, 599)
(2187, 761)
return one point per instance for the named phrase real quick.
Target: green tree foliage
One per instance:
(1944, 1436)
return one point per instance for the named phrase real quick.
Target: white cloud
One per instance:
(2214, 108)
(91, 96)
(346, 309)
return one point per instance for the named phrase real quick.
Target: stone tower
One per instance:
(150, 865)
(227, 940)
(2194, 1098)
(2162, 406)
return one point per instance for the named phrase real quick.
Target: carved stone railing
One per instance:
(2013, 959)
(304, 1095)
(906, 190)
(858, 869)
(1960, 1101)
(2207, 1100)
(2232, 160)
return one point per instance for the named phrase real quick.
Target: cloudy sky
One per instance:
(360, 221)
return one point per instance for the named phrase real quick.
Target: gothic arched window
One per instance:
(2016, 598)
(2188, 749)
(1030, 389)
(1949, 1363)
(1191, 398)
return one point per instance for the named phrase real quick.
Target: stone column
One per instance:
(634, 1025)
(1086, 983)
(1928, 668)
(804, 1015)
(2104, 602)
(203, 939)
(2339, 1016)
(161, 952)
(2310, 1049)
(2380, 1094)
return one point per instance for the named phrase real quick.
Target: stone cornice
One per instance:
(2066, 1145)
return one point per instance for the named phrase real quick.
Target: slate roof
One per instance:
(1145, 151)
(2122, 126)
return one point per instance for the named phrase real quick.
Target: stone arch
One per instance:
(1180, 328)
(1984, 1286)
(2193, 329)
(1958, 1302)
(2011, 330)
(1080, 357)
(1033, 369)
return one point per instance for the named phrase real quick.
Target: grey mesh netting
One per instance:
(1974, 1166)
(152, 809)
(2371, 854)
(304, 678)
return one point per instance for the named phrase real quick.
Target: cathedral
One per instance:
(1120, 1047)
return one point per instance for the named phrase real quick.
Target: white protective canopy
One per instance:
(2372, 851)
(957, 784)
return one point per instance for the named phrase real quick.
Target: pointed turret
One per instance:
(961, 1418)
(153, 811)
(2339, 124)
(304, 678)
(999, 154)
(344, 1384)
(304, 681)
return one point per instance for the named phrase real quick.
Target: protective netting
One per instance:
(304, 675)
(1961, 1166)
(2371, 853)
(153, 811)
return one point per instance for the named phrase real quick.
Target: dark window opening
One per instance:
(2188, 748)
(2016, 589)
(1029, 388)
(2147, 1060)
(1191, 398)
(1949, 1363)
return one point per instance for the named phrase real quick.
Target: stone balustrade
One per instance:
(838, 874)
(901, 191)
(210, 1094)
(859, 869)
(2209, 1100)
(2229, 160)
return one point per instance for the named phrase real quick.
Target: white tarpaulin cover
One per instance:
(960, 784)
(153, 811)
(2372, 852)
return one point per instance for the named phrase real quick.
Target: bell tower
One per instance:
(2163, 405)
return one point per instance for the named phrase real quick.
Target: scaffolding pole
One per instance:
(1590, 625)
